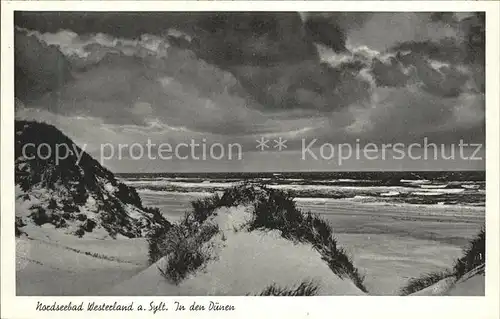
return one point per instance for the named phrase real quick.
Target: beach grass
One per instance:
(272, 210)
(424, 281)
(305, 288)
(473, 257)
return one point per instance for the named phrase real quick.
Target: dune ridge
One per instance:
(243, 262)
(73, 191)
(465, 278)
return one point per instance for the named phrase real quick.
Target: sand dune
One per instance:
(244, 263)
(471, 284)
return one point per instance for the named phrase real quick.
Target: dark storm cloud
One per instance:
(118, 24)
(447, 50)
(274, 57)
(105, 92)
(253, 73)
(389, 74)
(413, 60)
(326, 31)
(445, 17)
(442, 79)
(223, 38)
(39, 68)
(445, 81)
(472, 30)
(262, 50)
(307, 85)
(286, 28)
(468, 48)
(261, 39)
(331, 29)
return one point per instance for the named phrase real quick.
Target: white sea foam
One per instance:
(427, 193)
(434, 186)
(473, 186)
(441, 190)
(415, 181)
(148, 191)
(374, 189)
(389, 194)
(206, 184)
(319, 200)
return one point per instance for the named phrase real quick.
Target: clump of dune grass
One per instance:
(417, 284)
(204, 207)
(473, 257)
(237, 195)
(278, 211)
(305, 288)
(19, 223)
(243, 194)
(154, 238)
(185, 250)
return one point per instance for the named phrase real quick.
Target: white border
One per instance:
(276, 307)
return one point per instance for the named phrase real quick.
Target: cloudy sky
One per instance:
(124, 78)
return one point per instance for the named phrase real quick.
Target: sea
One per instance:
(456, 188)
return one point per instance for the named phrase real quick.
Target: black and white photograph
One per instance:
(249, 153)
